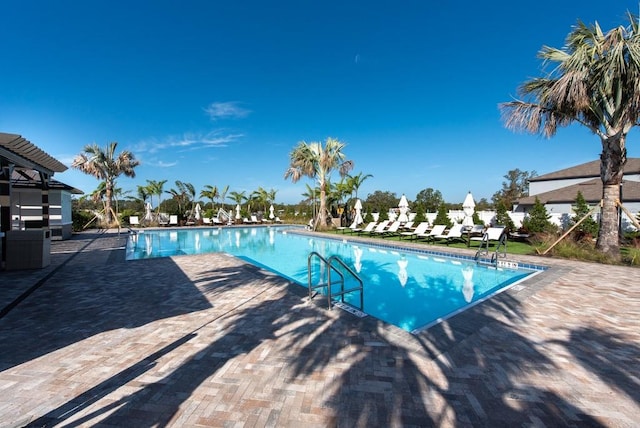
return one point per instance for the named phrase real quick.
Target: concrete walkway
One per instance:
(212, 341)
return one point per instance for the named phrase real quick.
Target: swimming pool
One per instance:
(410, 289)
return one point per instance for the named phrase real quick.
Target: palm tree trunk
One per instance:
(321, 221)
(107, 205)
(612, 160)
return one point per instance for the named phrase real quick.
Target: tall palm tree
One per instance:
(355, 181)
(223, 195)
(104, 164)
(156, 188)
(596, 83)
(316, 161)
(238, 197)
(210, 192)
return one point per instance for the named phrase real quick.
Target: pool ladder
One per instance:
(484, 250)
(331, 266)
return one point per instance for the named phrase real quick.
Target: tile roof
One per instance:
(25, 154)
(591, 190)
(589, 169)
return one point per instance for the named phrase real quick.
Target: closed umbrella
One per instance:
(403, 206)
(148, 215)
(358, 207)
(198, 211)
(468, 206)
(271, 215)
(238, 212)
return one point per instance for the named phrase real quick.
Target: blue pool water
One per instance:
(410, 289)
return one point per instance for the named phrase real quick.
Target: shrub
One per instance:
(420, 217)
(442, 217)
(538, 219)
(503, 219)
(589, 227)
(79, 219)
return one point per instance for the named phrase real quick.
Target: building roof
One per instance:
(587, 170)
(30, 179)
(591, 190)
(24, 154)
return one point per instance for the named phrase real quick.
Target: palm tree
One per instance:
(238, 197)
(223, 195)
(156, 188)
(596, 83)
(105, 165)
(183, 194)
(355, 181)
(317, 162)
(210, 192)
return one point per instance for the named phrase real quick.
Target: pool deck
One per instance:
(209, 340)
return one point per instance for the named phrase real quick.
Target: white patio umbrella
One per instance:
(198, 212)
(358, 207)
(238, 212)
(148, 215)
(271, 215)
(468, 206)
(403, 206)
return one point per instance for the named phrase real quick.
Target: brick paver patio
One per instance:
(212, 341)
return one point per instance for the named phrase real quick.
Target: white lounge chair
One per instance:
(206, 220)
(173, 220)
(379, 227)
(390, 230)
(134, 221)
(421, 229)
(454, 233)
(367, 229)
(254, 219)
(438, 229)
(277, 220)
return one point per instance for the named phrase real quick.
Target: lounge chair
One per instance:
(455, 233)
(173, 220)
(421, 229)
(438, 229)
(254, 219)
(163, 219)
(367, 229)
(389, 231)
(476, 230)
(134, 221)
(245, 220)
(379, 227)
(407, 226)
(277, 220)
(353, 227)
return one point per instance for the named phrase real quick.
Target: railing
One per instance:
(330, 266)
(501, 249)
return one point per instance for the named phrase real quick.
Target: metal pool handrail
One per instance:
(330, 267)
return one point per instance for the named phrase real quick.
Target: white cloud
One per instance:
(189, 141)
(226, 110)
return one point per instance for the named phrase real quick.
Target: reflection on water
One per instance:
(403, 276)
(467, 287)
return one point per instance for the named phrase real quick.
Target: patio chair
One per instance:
(367, 229)
(493, 234)
(173, 220)
(134, 221)
(455, 233)
(438, 229)
(421, 229)
(389, 231)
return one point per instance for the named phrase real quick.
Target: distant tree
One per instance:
(483, 204)
(382, 201)
(442, 216)
(429, 199)
(105, 165)
(502, 217)
(516, 186)
(316, 161)
(156, 188)
(476, 218)
(588, 227)
(594, 81)
(537, 220)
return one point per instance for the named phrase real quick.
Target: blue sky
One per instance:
(214, 92)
